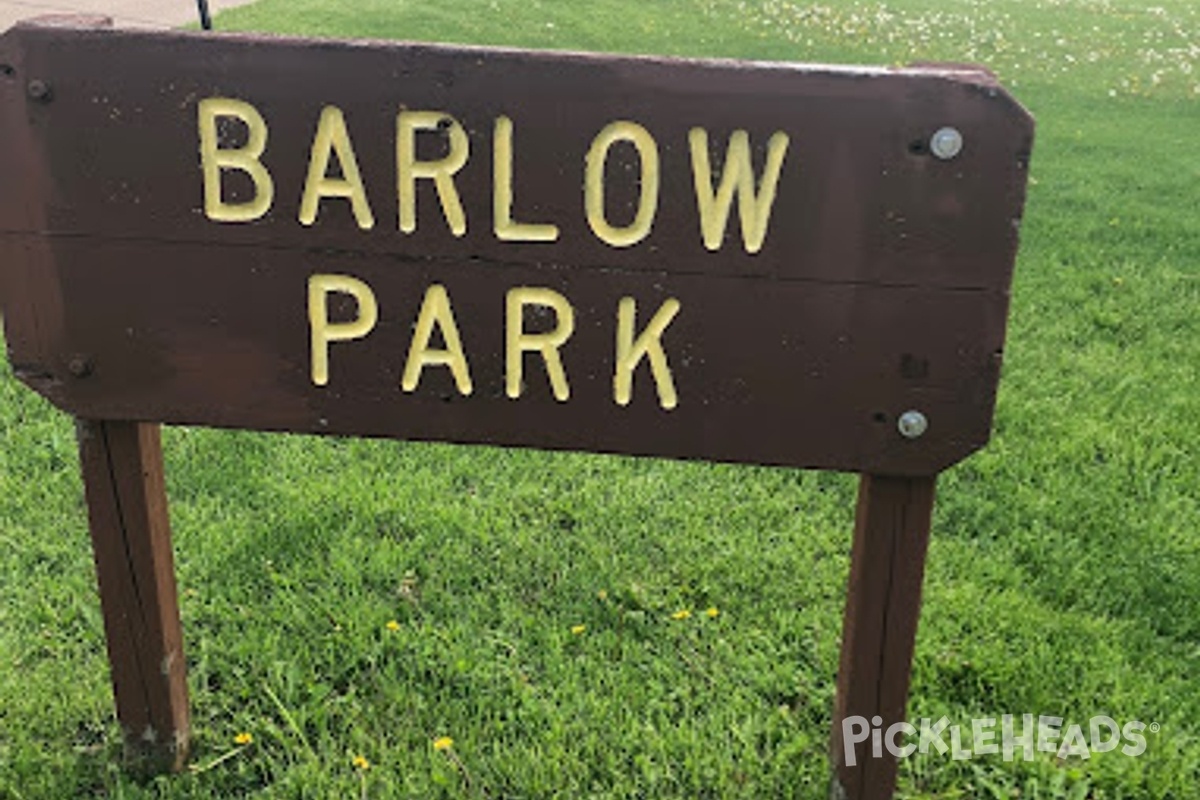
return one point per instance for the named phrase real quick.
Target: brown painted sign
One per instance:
(742, 262)
(767, 263)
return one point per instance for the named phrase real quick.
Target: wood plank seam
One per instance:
(122, 463)
(137, 632)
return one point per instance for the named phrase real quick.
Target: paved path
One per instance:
(124, 13)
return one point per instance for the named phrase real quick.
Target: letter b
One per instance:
(214, 159)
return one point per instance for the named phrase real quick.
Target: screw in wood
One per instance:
(946, 143)
(80, 366)
(39, 90)
(912, 424)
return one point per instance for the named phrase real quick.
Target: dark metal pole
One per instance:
(205, 19)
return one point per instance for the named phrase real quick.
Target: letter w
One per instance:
(736, 175)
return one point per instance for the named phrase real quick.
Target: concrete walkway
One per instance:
(124, 13)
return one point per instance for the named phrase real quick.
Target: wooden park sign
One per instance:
(763, 263)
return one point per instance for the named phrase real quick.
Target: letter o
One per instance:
(593, 183)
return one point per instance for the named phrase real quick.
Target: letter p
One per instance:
(854, 730)
(322, 331)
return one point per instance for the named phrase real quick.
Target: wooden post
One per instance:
(883, 602)
(131, 542)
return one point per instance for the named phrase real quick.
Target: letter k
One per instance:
(933, 735)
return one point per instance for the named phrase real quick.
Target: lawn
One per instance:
(347, 604)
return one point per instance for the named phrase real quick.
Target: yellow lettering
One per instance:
(546, 343)
(214, 159)
(409, 169)
(737, 175)
(593, 184)
(506, 229)
(436, 309)
(322, 331)
(332, 137)
(630, 351)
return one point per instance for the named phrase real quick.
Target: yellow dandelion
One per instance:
(361, 763)
(392, 625)
(578, 629)
(443, 743)
(682, 613)
(602, 594)
(243, 738)
(713, 613)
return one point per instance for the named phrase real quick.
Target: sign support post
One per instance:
(883, 603)
(131, 543)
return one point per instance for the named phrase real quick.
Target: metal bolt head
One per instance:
(79, 366)
(912, 424)
(39, 90)
(946, 143)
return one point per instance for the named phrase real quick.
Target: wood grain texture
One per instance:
(131, 542)
(883, 604)
(881, 284)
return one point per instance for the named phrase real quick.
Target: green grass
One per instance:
(1063, 576)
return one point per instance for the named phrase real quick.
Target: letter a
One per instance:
(436, 310)
(332, 137)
